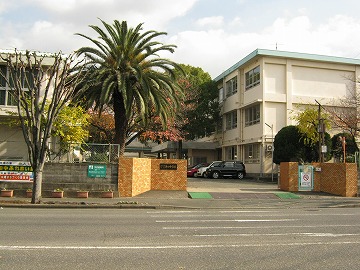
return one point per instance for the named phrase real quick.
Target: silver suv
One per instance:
(201, 171)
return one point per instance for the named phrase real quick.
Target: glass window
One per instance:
(252, 115)
(252, 78)
(252, 153)
(26, 78)
(231, 152)
(231, 120)
(11, 99)
(2, 79)
(2, 97)
(2, 85)
(231, 87)
(221, 94)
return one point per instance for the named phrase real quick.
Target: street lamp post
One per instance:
(272, 151)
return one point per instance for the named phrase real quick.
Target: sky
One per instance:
(211, 34)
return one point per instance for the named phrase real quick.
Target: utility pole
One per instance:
(321, 131)
(343, 147)
(272, 151)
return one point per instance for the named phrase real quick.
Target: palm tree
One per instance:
(125, 71)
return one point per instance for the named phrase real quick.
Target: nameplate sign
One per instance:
(168, 166)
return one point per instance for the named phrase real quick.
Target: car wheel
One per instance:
(240, 175)
(195, 175)
(215, 175)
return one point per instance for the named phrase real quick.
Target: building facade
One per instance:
(259, 94)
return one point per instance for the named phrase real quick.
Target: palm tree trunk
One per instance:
(121, 121)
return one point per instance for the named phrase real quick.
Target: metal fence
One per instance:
(91, 152)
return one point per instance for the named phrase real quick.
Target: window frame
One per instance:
(7, 99)
(231, 152)
(231, 120)
(231, 87)
(252, 115)
(252, 153)
(221, 94)
(252, 78)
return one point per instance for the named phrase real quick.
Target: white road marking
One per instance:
(223, 220)
(253, 227)
(19, 247)
(275, 234)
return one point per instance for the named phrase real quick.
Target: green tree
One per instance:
(287, 145)
(350, 145)
(124, 71)
(71, 127)
(291, 145)
(308, 125)
(201, 107)
(308, 122)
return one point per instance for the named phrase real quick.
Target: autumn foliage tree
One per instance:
(101, 127)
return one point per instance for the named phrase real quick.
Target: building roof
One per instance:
(284, 54)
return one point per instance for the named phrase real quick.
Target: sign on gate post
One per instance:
(306, 177)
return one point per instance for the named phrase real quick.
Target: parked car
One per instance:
(202, 170)
(192, 171)
(233, 168)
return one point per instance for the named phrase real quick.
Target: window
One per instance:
(6, 98)
(231, 152)
(231, 87)
(2, 86)
(252, 153)
(198, 160)
(252, 115)
(231, 120)
(221, 95)
(252, 78)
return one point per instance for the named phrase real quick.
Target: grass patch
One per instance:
(287, 195)
(199, 195)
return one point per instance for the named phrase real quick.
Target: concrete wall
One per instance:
(131, 177)
(70, 177)
(334, 178)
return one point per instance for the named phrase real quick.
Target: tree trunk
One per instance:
(37, 184)
(121, 121)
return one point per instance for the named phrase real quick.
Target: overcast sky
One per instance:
(211, 34)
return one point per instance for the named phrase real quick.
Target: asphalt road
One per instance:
(179, 239)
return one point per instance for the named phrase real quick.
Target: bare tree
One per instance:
(346, 111)
(41, 85)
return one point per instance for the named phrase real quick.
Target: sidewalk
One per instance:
(224, 194)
